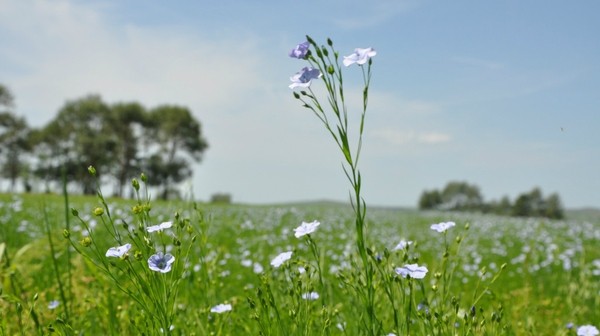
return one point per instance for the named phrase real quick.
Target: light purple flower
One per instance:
(221, 308)
(403, 245)
(310, 296)
(281, 258)
(53, 304)
(118, 251)
(441, 227)
(303, 77)
(587, 330)
(360, 56)
(301, 50)
(413, 270)
(306, 228)
(160, 262)
(159, 227)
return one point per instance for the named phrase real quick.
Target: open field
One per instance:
(551, 278)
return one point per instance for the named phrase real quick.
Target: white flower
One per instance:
(402, 245)
(360, 56)
(310, 296)
(281, 258)
(306, 228)
(159, 227)
(257, 268)
(221, 308)
(118, 251)
(587, 330)
(413, 270)
(441, 227)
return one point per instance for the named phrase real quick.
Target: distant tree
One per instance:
(222, 198)
(504, 206)
(430, 199)
(128, 121)
(177, 137)
(461, 196)
(6, 99)
(79, 136)
(522, 206)
(14, 133)
(554, 208)
(534, 204)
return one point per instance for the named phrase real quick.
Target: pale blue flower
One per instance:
(441, 227)
(53, 304)
(281, 258)
(403, 245)
(221, 308)
(118, 251)
(310, 296)
(360, 56)
(413, 270)
(160, 262)
(303, 77)
(300, 51)
(306, 228)
(587, 330)
(159, 227)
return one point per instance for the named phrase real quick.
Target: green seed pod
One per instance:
(74, 212)
(135, 184)
(98, 212)
(92, 170)
(66, 234)
(143, 177)
(87, 241)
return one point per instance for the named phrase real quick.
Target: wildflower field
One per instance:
(97, 266)
(228, 285)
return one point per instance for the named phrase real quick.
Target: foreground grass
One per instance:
(551, 277)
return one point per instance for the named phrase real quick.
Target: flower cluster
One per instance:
(303, 78)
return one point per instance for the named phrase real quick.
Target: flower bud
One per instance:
(66, 234)
(135, 184)
(92, 170)
(325, 52)
(138, 255)
(98, 212)
(296, 95)
(87, 241)
(143, 177)
(137, 209)
(329, 42)
(330, 70)
(74, 212)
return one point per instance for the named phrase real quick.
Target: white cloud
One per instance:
(68, 50)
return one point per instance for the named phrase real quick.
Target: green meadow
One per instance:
(487, 275)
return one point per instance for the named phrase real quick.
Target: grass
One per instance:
(550, 278)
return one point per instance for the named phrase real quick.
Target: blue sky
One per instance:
(505, 95)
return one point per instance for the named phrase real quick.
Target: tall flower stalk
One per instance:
(324, 64)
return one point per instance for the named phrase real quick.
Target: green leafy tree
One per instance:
(176, 136)
(128, 121)
(14, 133)
(430, 199)
(554, 208)
(79, 136)
(461, 196)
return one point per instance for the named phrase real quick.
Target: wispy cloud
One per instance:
(69, 50)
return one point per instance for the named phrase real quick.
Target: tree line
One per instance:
(462, 196)
(120, 140)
